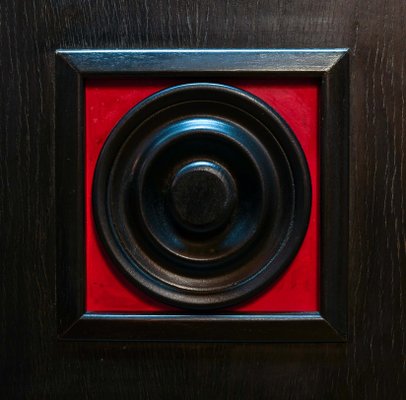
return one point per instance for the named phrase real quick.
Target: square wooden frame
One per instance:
(330, 66)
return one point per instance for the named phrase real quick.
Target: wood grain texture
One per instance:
(370, 366)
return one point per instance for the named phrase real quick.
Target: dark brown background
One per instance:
(370, 366)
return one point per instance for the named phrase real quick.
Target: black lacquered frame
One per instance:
(330, 66)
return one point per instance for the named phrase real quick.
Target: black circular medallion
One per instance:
(202, 195)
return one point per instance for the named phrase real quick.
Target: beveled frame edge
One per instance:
(331, 66)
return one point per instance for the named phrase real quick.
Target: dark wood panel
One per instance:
(34, 365)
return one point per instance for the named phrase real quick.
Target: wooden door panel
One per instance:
(35, 365)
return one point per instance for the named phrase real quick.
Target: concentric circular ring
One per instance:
(202, 195)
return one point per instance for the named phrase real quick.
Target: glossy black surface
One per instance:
(75, 322)
(202, 195)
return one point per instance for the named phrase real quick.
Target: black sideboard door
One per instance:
(370, 365)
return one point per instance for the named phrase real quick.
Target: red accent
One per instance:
(296, 100)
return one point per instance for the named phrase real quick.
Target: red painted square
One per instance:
(296, 100)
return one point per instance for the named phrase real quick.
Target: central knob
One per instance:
(203, 196)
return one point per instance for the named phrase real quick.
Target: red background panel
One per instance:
(296, 100)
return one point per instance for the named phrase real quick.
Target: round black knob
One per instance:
(203, 195)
